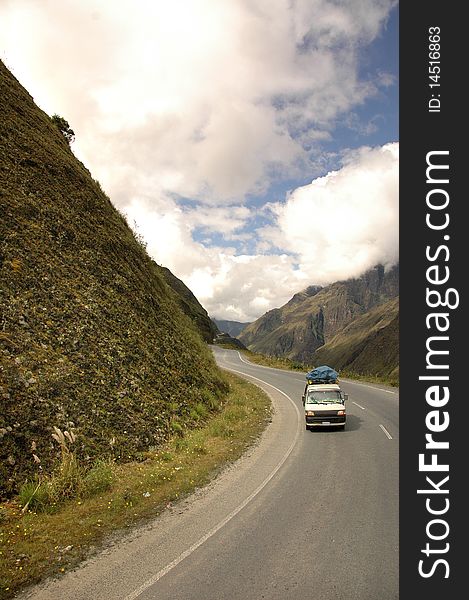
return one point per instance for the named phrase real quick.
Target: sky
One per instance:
(252, 144)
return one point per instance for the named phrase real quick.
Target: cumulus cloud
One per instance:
(242, 288)
(336, 227)
(207, 95)
(345, 222)
(213, 101)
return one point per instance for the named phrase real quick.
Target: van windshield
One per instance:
(325, 397)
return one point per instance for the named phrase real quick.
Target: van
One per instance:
(324, 405)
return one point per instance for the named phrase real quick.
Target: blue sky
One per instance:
(224, 130)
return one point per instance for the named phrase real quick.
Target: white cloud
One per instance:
(186, 91)
(345, 222)
(220, 219)
(334, 228)
(242, 288)
(211, 101)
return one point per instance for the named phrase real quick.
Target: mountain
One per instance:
(272, 334)
(369, 345)
(314, 316)
(191, 306)
(233, 328)
(92, 339)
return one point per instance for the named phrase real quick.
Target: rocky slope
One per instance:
(369, 345)
(91, 337)
(314, 316)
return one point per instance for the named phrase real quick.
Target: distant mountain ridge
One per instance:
(314, 316)
(233, 328)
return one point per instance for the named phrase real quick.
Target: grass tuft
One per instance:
(69, 479)
(113, 496)
(35, 496)
(99, 478)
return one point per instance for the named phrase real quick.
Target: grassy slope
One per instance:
(90, 337)
(368, 346)
(226, 341)
(35, 545)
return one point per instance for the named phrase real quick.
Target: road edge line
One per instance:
(139, 591)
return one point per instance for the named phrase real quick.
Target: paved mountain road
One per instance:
(303, 516)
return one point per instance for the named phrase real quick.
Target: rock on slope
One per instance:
(91, 339)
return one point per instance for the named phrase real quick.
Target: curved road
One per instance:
(303, 516)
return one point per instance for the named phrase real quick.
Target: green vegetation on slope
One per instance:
(38, 543)
(91, 340)
(276, 362)
(191, 306)
(289, 365)
(226, 341)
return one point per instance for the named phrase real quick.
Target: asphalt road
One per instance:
(305, 515)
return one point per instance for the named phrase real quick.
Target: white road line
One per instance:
(242, 359)
(359, 406)
(139, 591)
(386, 432)
(252, 364)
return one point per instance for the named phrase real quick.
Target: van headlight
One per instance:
(340, 413)
(310, 413)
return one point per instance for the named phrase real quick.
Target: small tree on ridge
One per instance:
(64, 128)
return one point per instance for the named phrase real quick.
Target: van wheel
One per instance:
(307, 427)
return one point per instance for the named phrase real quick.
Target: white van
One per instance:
(324, 405)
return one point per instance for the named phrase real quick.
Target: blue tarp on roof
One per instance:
(322, 374)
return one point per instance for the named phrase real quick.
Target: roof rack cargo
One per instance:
(322, 374)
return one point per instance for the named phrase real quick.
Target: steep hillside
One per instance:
(233, 328)
(369, 345)
(91, 339)
(313, 317)
(191, 306)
